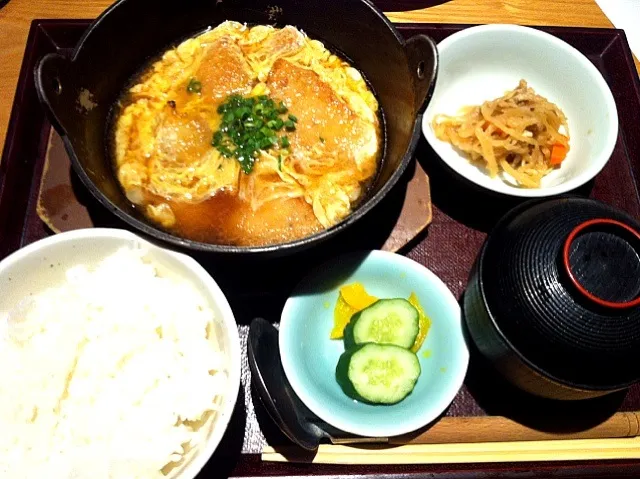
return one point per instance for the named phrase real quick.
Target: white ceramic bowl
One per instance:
(44, 263)
(481, 63)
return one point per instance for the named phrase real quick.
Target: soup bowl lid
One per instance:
(561, 281)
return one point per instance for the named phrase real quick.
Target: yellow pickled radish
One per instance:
(356, 296)
(423, 321)
(341, 317)
(352, 298)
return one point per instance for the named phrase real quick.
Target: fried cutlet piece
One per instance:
(182, 164)
(224, 70)
(283, 42)
(181, 140)
(323, 118)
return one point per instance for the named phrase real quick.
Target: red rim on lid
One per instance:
(602, 260)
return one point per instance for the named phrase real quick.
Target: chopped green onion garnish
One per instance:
(275, 124)
(242, 113)
(250, 125)
(194, 86)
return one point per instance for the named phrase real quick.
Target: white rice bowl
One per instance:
(115, 354)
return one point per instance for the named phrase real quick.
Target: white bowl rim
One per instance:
(416, 421)
(611, 133)
(203, 455)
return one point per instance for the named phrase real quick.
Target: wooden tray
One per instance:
(461, 218)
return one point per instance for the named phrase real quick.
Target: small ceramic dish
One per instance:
(554, 298)
(45, 263)
(482, 63)
(309, 356)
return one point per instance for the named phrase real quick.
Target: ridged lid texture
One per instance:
(562, 290)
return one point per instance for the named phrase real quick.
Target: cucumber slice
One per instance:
(382, 373)
(387, 321)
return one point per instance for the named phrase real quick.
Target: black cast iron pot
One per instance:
(79, 92)
(554, 298)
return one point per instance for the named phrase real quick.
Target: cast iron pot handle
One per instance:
(422, 53)
(53, 90)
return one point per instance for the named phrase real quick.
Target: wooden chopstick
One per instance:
(521, 451)
(484, 439)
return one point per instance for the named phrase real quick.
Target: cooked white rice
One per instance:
(98, 375)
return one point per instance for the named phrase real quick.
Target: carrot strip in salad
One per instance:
(558, 154)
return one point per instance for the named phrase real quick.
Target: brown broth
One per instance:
(225, 219)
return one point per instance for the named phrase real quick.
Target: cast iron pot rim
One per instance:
(510, 215)
(300, 243)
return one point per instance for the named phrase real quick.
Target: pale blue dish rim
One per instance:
(307, 319)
